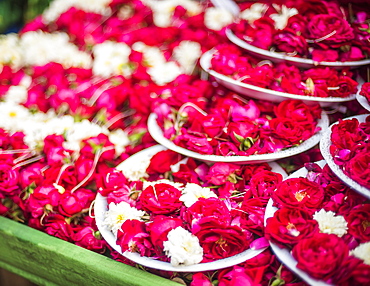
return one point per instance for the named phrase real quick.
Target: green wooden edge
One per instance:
(46, 260)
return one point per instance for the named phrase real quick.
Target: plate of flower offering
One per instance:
(278, 57)
(147, 210)
(363, 101)
(244, 83)
(244, 148)
(313, 223)
(346, 148)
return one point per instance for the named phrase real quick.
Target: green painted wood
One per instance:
(46, 260)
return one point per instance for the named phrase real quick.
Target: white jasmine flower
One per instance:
(217, 18)
(164, 73)
(256, 11)
(192, 192)
(13, 116)
(183, 247)
(137, 170)
(111, 58)
(179, 186)
(17, 94)
(152, 55)
(187, 53)
(330, 223)
(163, 10)
(10, 51)
(40, 48)
(120, 140)
(362, 252)
(283, 15)
(57, 7)
(117, 214)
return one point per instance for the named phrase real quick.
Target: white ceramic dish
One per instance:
(282, 57)
(101, 207)
(264, 93)
(325, 144)
(157, 134)
(283, 254)
(363, 101)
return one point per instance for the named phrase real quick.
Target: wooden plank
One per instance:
(46, 260)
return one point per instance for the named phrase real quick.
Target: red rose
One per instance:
(251, 215)
(365, 90)
(297, 111)
(289, 226)
(321, 256)
(162, 162)
(290, 42)
(134, 237)
(346, 87)
(357, 168)
(9, 178)
(220, 241)
(345, 134)
(329, 31)
(299, 192)
(358, 221)
(330, 55)
(207, 208)
(263, 183)
(220, 173)
(159, 229)
(89, 239)
(161, 199)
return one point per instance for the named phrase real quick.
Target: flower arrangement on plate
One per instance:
(307, 34)
(170, 212)
(363, 96)
(318, 227)
(262, 79)
(345, 147)
(239, 130)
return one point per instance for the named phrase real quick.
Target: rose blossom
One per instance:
(365, 90)
(359, 222)
(161, 199)
(90, 239)
(321, 256)
(162, 161)
(220, 241)
(159, 228)
(299, 192)
(290, 226)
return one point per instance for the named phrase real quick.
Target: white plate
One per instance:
(283, 254)
(363, 101)
(157, 134)
(101, 207)
(282, 57)
(264, 93)
(325, 144)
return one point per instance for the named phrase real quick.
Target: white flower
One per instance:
(117, 214)
(217, 18)
(254, 12)
(17, 94)
(164, 73)
(13, 117)
(163, 10)
(111, 58)
(183, 247)
(331, 224)
(152, 55)
(10, 51)
(362, 252)
(137, 170)
(57, 7)
(187, 53)
(192, 192)
(120, 140)
(40, 48)
(178, 186)
(281, 19)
